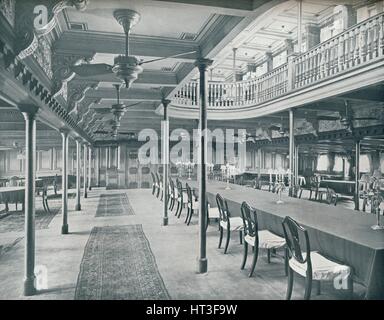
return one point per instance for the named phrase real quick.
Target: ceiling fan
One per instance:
(125, 67)
(118, 109)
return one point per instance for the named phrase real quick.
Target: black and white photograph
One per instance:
(192, 154)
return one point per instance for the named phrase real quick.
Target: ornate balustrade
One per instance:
(355, 47)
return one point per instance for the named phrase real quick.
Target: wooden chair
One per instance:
(212, 213)
(259, 239)
(154, 183)
(310, 185)
(192, 205)
(182, 198)
(227, 222)
(160, 186)
(332, 197)
(172, 194)
(310, 264)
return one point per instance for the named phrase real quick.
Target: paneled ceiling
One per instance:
(168, 28)
(157, 19)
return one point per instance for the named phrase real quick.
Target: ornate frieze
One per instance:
(43, 55)
(7, 9)
(38, 17)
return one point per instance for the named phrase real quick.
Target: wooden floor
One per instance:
(174, 248)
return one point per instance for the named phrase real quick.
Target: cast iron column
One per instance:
(78, 174)
(64, 196)
(357, 174)
(203, 64)
(165, 151)
(29, 113)
(89, 167)
(291, 150)
(85, 171)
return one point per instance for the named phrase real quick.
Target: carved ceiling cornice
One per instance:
(33, 87)
(37, 17)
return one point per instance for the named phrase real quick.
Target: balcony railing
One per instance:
(357, 46)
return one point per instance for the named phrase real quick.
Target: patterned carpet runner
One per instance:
(114, 205)
(118, 264)
(14, 220)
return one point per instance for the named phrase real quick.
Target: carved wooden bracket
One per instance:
(62, 69)
(76, 93)
(37, 17)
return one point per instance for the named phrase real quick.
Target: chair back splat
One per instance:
(223, 208)
(295, 235)
(249, 216)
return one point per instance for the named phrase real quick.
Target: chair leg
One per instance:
(290, 284)
(308, 287)
(190, 216)
(45, 209)
(181, 209)
(310, 194)
(269, 255)
(241, 236)
(254, 260)
(188, 212)
(227, 241)
(245, 255)
(177, 208)
(221, 236)
(46, 205)
(286, 265)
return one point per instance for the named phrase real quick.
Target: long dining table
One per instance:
(338, 233)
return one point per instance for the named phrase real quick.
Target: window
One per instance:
(322, 163)
(365, 163)
(338, 167)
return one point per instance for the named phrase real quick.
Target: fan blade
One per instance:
(329, 118)
(133, 104)
(127, 133)
(87, 70)
(365, 118)
(163, 58)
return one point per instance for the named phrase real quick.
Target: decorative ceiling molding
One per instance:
(140, 45)
(34, 18)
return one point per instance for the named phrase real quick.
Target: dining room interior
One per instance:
(192, 150)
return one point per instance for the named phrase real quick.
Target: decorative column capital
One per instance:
(29, 111)
(165, 102)
(203, 64)
(64, 132)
